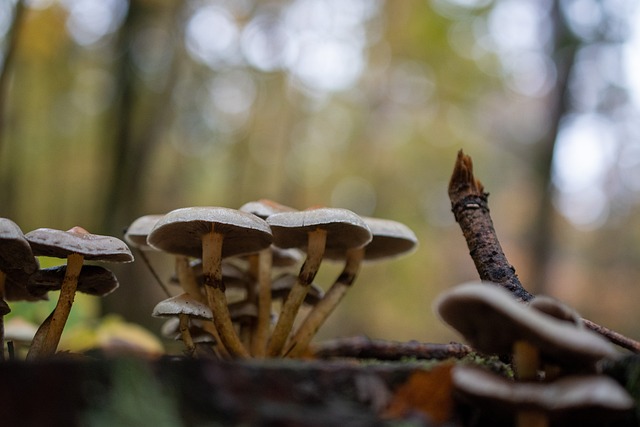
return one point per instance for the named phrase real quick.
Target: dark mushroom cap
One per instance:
(61, 244)
(92, 280)
(491, 320)
(243, 310)
(344, 228)
(137, 232)
(264, 208)
(15, 287)
(182, 304)
(180, 231)
(597, 397)
(15, 251)
(4, 307)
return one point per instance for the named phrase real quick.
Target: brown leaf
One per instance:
(425, 392)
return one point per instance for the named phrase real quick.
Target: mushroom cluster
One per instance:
(22, 279)
(253, 268)
(556, 361)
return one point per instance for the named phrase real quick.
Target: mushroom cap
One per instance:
(390, 239)
(588, 395)
(264, 208)
(232, 275)
(137, 232)
(243, 309)
(92, 280)
(182, 304)
(491, 320)
(4, 307)
(15, 251)
(60, 244)
(344, 228)
(557, 309)
(181, 230)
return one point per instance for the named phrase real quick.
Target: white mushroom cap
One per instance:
(60, 244)
(180, 231)
(491, 320)
(593, 395)
(15, 251)
(137, 232)
(182, 304)
(390, 239)
(344, 228)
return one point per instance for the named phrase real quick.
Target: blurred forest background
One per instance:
(112, 109)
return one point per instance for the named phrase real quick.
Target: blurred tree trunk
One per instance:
(542, 231)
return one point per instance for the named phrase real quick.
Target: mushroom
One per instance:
(390, 239)
(211, 233)
(185, 307)
(76, 245)
(282, 285)
(16, 262)
(260, 265)
(494, 322)
(593, 398)
(92, 280)
(313, 230)
(136, 236)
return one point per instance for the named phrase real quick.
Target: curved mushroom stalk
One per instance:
(260, 333)
(49, 333)
(321, 311)
(291, 306)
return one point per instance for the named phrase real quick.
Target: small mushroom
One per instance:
(185, 307)
(136, 236)
(494, 322)
(390, 239)
(597, 399)
(211, 233)
(313, 230)
(93, 280)
(76, 245)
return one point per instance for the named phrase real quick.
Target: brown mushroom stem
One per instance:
(60, 313)
(187, 279)
(38, 338)
(531, 418)
(210, 327)
(212, 269)
(321, 311)
(186, 334)
(260, 335)
(315, 251)
(526, 360)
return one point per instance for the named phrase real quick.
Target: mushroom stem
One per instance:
(321, 311)
(61, 312)
(315, 251)
(187, 279)
(261, 332)
(526, 360)
(212, 269)
(186, 334)
(3, 278)
(531, 418)
(210, 327)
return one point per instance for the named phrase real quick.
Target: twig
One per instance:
(364, 348)
(471, 210)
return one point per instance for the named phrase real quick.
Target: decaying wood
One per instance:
(364, 348)
(469, 203)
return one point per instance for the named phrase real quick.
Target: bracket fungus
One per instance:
(390, 239)
(76, 245)
(314, 231)
(211, 233)
(575, 399)
(494, 322)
